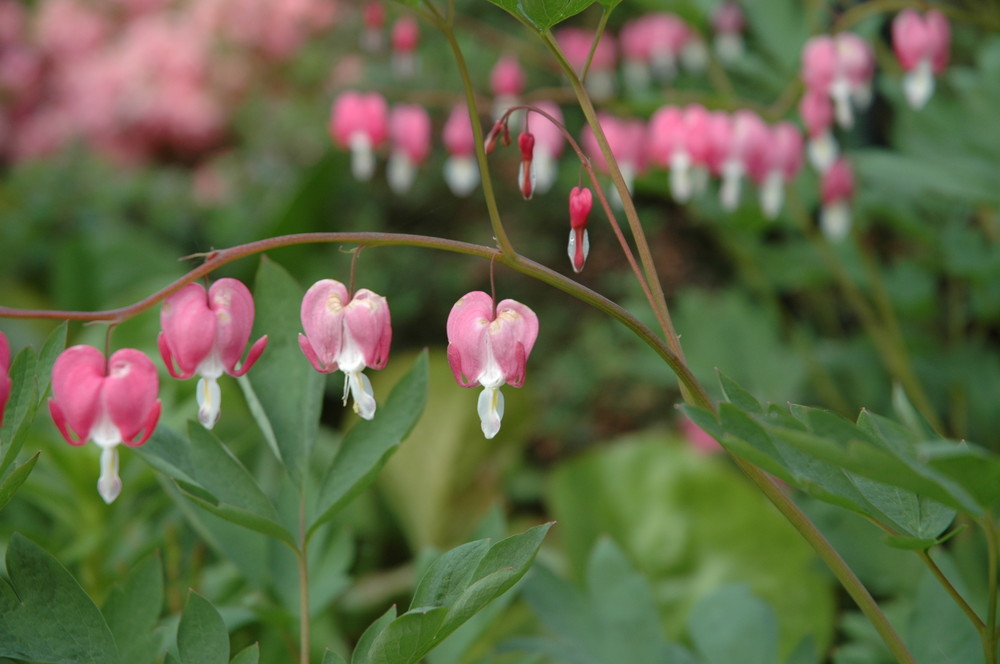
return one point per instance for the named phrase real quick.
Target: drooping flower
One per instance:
(506, 83)
(737, 142)
(461, 171)
(549, 142)
(581, 200)
(205, 334)
(627, 140)
(405, 38)
(728, 22)
(842, 67)
(5, 382)
(816, 111)
(921, 44)
(525, 175)
(373, 16)
(107, 402)
(410, 137)
(837, 189)
(679, 140)
(490, 346)
(360, 122)
(348, 334)
(779, 162)
(576, 44)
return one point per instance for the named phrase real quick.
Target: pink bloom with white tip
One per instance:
(410, 137)
(779, 162)
(549, 143)
(205, 334)
(5, 383)
(373, 18)
(348, 334)
(736, 145)
(728, 22)
(667, 35)
(581, 201)
(576, 43)
(405, 39)
(490, 347)
(816, 111)
(506, 83)
(921, 44)
(842, 67)
(108, 402)
(627, 140)
(837, 189)
(679, 141)
(461, 171)
(360, 122)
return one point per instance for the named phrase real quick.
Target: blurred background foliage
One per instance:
(592, 440)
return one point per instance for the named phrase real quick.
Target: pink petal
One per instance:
(189, 328)
(129, 394)
(467, 326)
(233, 306)
(513, 335)
(77, 378)
(322, 315)
(368, 320)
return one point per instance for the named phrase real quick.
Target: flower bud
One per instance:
(581, 200)
(525, 178)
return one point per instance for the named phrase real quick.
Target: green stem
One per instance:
(851, 583)
(499, 233)
(955, 595)
(303, 563)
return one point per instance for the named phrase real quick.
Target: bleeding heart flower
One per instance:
(106, 402)
(205, 334)
(837, 189)
(921, 44)
(346, 333)
(360, 123)
(490, 347)
(461, 171)
(581, 200)
(410, 133)
(525, 176)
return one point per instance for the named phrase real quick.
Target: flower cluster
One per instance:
(113, 400)
(137, 79)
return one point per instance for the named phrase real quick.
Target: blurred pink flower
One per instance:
(816, 111)
(360, 122)
(842, 67)
(490, 347)
(728, 23)
(346, 333)
(405, 37)
(837, 190)
(627, 140)
(109, 403)
(461, 171)
(410, 140)
(576, 43)
(506, 84)
(205, 333)
(549, 144)
(922, 46)
(738, 143)
(778, 162)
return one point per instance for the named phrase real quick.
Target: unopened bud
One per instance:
(581, 200)
(491, 138)
(526, 178)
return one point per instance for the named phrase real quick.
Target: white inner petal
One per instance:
(209, 398)
(835, 220)
(462, 174)
(918, 85)
(772, 194)
(356, 384)
(109, 485)
(400, 172)
(490, 409)
(362, 157)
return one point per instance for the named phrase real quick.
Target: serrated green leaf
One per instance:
(202, 637)
(361, 650)
(45, 615)
(132, 610)
(13, 481)
(369, 443)
(249, 655)
(407, 638)
(543, 14)
(731, 625)
(289, 390)
(449, 574)
(738, 396)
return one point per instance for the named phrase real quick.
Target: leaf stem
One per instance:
(973, 617)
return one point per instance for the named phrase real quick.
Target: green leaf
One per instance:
(45, 615)
(249, 655)
(237, 515)
(408, 638)
(13, 481)
(289, 390)
(330, 657)
(361, 651)
(369, 443)
(731, 625)
(201, 635)
(20, 409)
(738, 396)
(449, 574)
(132, 610)
(543, 14)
